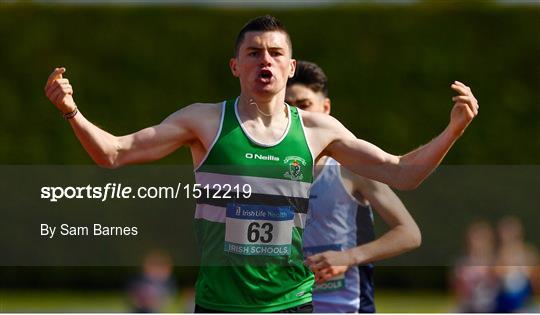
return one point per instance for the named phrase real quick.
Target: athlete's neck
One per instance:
(264, 110)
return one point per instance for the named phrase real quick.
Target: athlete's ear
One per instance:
(327, 105)
(232, 64)
(293, 68)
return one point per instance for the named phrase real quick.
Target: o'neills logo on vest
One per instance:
(295, 167)
(252, 156)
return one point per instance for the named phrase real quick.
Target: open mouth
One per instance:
(265, 75)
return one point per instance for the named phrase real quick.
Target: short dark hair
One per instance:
(266, 23)
(310, 75)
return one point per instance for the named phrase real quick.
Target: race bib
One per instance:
(258, 230)
(334, 284)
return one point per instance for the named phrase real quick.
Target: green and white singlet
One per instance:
(251, 248)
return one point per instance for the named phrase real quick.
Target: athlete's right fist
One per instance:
(59, 91)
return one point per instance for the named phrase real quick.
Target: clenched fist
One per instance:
(465, 108)
(60, 92)
(328, 264)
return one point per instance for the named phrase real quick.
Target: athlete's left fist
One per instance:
(328, 265)
(465, 108)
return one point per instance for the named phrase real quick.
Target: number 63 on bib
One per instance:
(258, 230)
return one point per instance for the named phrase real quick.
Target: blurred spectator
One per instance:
(188, 299)
(474, 281)
(516, 268)
(152, 290)
(502, 279)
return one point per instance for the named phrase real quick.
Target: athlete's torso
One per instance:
(251, 257)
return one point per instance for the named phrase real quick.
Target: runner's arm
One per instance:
(145, 145)
(111, 151)
(407, 171)
(404, 235)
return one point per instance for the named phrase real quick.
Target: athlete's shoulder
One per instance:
(204, 108)
(322, 130)
(318, 120)
(197, 112)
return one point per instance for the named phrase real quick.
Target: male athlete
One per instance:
(339, 228)
(251, 251)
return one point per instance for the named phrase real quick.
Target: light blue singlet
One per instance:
(334, 223)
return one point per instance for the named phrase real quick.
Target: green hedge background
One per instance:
(389, 68)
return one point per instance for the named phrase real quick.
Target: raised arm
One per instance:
(111, 151)
(402, 172)
(403, 234)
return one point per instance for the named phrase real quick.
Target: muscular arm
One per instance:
(402, 172)
(146, 145)
(142, 146)
(403, 234)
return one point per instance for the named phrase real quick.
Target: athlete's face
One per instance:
(263, 63)
(305, 98)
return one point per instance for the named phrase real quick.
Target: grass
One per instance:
(71, 301)
(95, 302)
(409, 301)
(387, 301)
